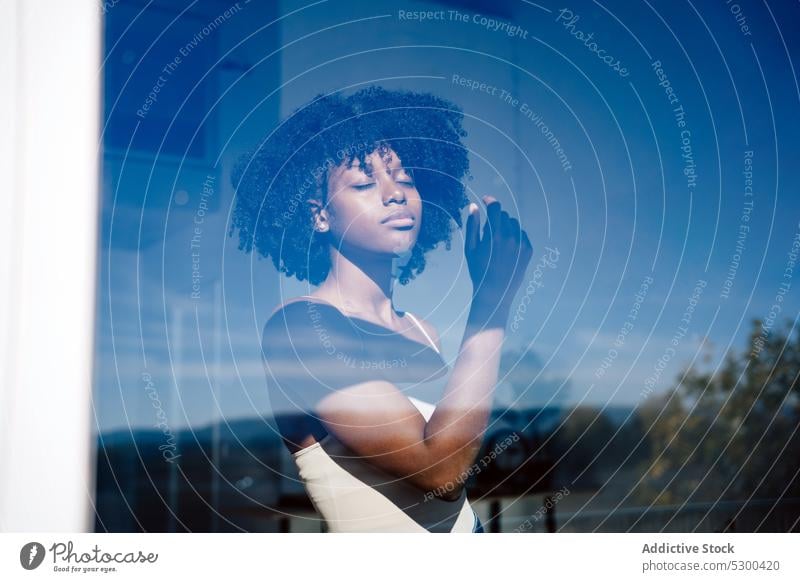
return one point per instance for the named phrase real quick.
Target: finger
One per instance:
(493, 222)
(472, 236)
(505, 224)
(515, 228)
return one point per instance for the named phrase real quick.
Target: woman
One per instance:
(338, 195)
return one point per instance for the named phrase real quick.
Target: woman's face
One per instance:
(375, 208)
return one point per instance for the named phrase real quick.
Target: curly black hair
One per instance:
(292, 162)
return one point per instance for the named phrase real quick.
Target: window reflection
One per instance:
(187, 438)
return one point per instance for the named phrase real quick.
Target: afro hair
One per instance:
(291, 165)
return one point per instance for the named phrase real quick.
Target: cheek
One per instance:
(353, 215)
(355, 222)
(415, 199)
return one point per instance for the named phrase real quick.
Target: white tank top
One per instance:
(353, 495)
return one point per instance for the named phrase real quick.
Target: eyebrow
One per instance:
(369, 169)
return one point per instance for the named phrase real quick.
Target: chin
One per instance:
(396, 244)
(403, 250)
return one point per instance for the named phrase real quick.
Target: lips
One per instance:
(398, 215)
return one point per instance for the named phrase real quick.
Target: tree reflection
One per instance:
(731, 433)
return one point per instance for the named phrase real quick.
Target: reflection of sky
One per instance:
(621, 212)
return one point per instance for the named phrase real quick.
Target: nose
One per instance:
(391, 190)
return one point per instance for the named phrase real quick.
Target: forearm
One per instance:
(454, 432)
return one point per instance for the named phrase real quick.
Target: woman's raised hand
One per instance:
(498, 258)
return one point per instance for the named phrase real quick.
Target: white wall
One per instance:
(49, 117)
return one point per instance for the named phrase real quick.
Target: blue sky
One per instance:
(622, 213)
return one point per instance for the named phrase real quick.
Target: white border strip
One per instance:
(49, 112)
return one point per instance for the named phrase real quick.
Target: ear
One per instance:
(319, 215)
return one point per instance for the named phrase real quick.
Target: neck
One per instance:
(361, 282)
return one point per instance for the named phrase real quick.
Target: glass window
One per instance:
(594, 425)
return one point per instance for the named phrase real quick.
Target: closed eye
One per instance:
(406, 177)
(363, 186)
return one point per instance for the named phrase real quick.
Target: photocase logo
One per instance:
(31, 555)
